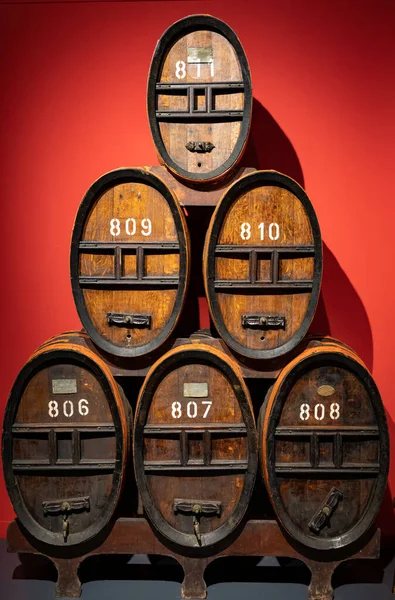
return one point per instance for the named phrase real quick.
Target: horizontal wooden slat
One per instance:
(258, 285)
(62, 427)
(236, 465)
(196, 428)
(328, 430)
(347, 469)
(36, 465)
(129, 282)
(236, 249)
(223, 85)
(97, 246)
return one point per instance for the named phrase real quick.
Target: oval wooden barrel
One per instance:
(199, 98)
(325, 447)
(65, 444)
(195, 445)
(263, 265)
(129, 262)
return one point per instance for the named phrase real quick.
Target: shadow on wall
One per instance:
(269, 148)
(340, 311)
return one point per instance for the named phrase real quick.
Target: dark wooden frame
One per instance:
(135, 536)
(28, 371)
(238, 188)
(171, 35)
(99, 187)
(198, 356)
(376, 497)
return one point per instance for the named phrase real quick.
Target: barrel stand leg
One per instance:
(320, 587)
(193, 585)
(68, 584)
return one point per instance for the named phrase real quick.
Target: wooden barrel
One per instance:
(324, 447)
(199, 98)
(263, 265)
(129, 262)
(65, 444)
(195, 445)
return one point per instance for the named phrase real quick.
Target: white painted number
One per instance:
(180, 69)
(245, 231)
(319, 412)
(146, 227)
(131, 226)
(192, 409)
(115, 227)
(176, 410)
(68, 408)
(208, 403)
(274, 227)
(53, 410)
(127, 226)
(304, 412)
(83, 407)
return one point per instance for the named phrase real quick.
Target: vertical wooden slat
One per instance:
(207, 449)
(76, 445)
(184, 447)
(52, 447)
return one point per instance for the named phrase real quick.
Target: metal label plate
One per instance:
(200, 55)
(326, 390)
(64, 386)
(195, 390)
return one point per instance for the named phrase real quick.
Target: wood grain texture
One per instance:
(199, 448)
(130, 256)
(184, 94)
(323, 427)
(262, 256)
(66, 437)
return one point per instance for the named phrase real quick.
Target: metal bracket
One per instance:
(65, 507)
(128, 320)
(200, 147)
(263, 321)
(324, 513)
(208, 507)
(197, 508)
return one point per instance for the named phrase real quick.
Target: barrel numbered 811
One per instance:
(199, 99)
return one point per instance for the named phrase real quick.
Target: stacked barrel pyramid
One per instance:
(253, 405)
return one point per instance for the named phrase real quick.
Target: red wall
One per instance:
(72, 106)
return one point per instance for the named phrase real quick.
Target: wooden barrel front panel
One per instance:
(325, 448)
(263, 265)
(65, 444)
(195, 445)
(199, 98)
(129, 262)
